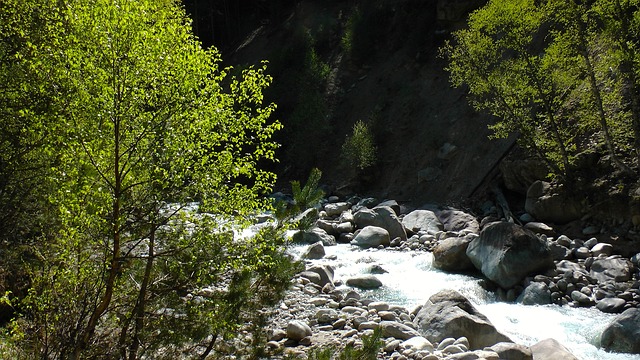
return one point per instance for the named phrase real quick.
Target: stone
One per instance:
(326, 316)
(451, 254)
(456, 220)
(551, 349)
(297, 330)
(417, 343)
(313, 236)
(602, 249)
(559, 252)
(581, 299)
(312, 276)
(392, 204)
(537, 293)
(381, 216)
(371, 236)
(511, 351)
(582, 252)
(540, 228)
(335, 209)
(506, 253)
(376, 269)
(449, 314)
(314, 251)
(325, 272)
(622, 334)
(379, 306)
(364, 282)
(518, 175)
(551, 205)
(611, 305)
(397, 330)
(422, 220)
(616, 269)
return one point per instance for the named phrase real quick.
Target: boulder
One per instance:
(324, 271)
(622, 334)
(365, 282)
(551, 349)
(417, 343)
(335, 209)
(511, 351)
(537, 293)
(313, 236)
(506, 253)
(381, 216)
(422, 220)
(392, 204)
(314, 251)
(456, 220)
(297, 330)
(449, 314)
(616, 269)
(371, 236)
(397, 330)
(611, 305)
(451, 254)
(551, 205)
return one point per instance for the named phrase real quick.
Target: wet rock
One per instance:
(506, 253)
(313, 236)
(551, 349)
(335, 209)
(383, 217)
(511, 351)
(616, 269)
(449, 314)
(537, 293)
(611, 305)
(365, 282)
(456, 220)
(371, 236)
(314, 251)
(622, 334)
(451, 254)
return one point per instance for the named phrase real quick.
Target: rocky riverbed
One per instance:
(524, 264)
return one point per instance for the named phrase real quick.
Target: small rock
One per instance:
(365, 282)
(297, 330)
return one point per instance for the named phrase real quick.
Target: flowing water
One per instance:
(411, 280)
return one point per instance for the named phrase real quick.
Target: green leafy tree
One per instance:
(144, 124)
(359, 150)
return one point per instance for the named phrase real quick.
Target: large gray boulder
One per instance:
(297, 330)
(324, 271)
(623, 333)
(422, 220)
(381, 216)
(371, 236)
(313, 236)
(314, 251)
(451, 254)
(551, 349)
(506, 253)
(537, 293)
(551, 205)
(511, 351)
(611, 269)
(365, 282)
(456, 220)
(448, 314)
(397, 330)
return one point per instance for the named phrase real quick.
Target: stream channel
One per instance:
(411, 280)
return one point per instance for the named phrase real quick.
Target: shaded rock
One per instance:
(616, 269)
(392, 204)
(325, 272)
(381, 216)
(551, 205)
(298, 330)
(506, 253)
(559, 252)
(371, 236)
(313, 236)
(397, 330)
(335, 209)
(314, 251)
(312, 276)
(540, 228)
(451, 254)
(422, 220)
(520, 174)
(365, 282)
(511, 351)
(622, 334)
(551, 349)
(449, 314)
(611, 305)
(456, 220)
(602, 249)
(537, 293)
(581, 298)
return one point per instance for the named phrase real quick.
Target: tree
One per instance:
(147, 124)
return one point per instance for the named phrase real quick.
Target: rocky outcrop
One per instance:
(449, 314)
(506, 253)
(451, 254)
(551, 205)
(623, 333)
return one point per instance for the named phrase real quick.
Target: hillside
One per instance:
(431, 146)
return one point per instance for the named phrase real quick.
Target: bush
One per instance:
(359, 148)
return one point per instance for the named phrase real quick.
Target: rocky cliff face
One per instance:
(376, 62)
